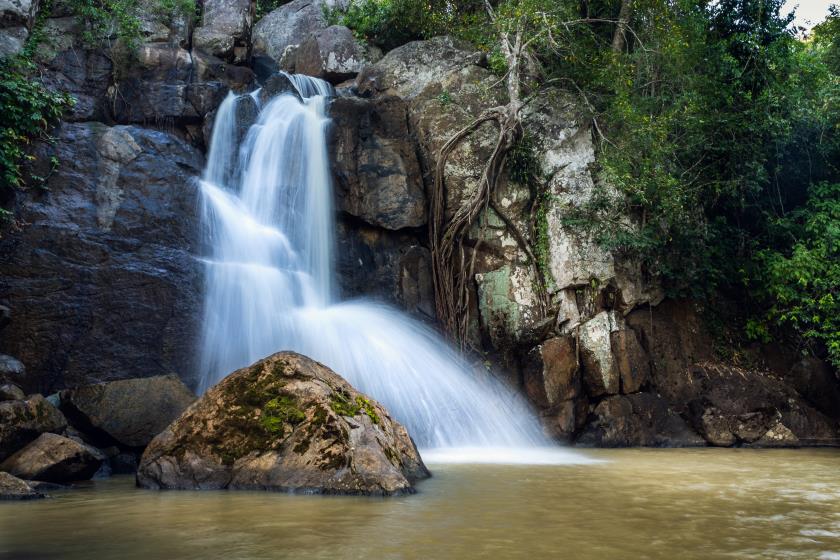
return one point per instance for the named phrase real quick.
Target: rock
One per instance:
(277, 84)
(118, 220)
(12, 40)
(15, 11)
(332, 54)
(640, 419)
(23, 421)
(631, 359)
(130, 411)
(124, 463)
(386, 265)
(562, 421)
(551, 372)
(9, 392)
(286, 423)
(377, 175)
(54, 458)
(814, 379)
(600, 370)
(13, 488)
(280, 32)
(11, 369)
(225, 24)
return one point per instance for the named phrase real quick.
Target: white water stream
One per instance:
(270, 286)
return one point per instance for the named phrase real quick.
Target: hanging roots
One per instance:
(452, 266)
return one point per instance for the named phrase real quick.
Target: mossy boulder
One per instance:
(286, 423)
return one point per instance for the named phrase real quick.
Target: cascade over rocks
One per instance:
(285, 423)
(131, 411)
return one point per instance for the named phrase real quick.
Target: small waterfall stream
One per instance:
(267, 208)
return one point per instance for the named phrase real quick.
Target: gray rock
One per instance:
(631, 359)
(376, 171)
(23, 421)
(285, 423)
(11, 369)
(280, 32)
(332, 54)
(225, 24)
(54, 458)
(131, 411)
(15, 11)
(13, 488)
(119, 221)
(600, 368)
(12, 40)
(9, 392)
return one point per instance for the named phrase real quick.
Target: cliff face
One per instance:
(101, 275)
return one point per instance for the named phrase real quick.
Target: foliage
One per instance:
(264, 7)
(29, 110)
(104, 19)
(803, 282)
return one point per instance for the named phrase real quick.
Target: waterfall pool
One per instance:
(649, 503)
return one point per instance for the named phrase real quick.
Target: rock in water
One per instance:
(286, 423)
(13, 488)
(131, 411)
(54, 458)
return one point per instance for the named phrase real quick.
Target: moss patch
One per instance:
(280, 411)
(343, 405)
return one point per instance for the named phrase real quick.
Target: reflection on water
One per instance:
(634, 504)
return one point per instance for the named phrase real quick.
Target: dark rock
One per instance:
(640, 419)
(286, 423)
(124, 463)
(9, 392)
(377, 174)
(130, 411)
(562, 421)
(5, 316)
(631, 359)
(54, 458)
(551, 372)
(43, 486)
(275, 85)
(119, 222)
(815, 380)
(23, 421)
(13, 488)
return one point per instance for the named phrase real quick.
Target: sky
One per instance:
(810, 12)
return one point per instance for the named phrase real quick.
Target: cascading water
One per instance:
(268, 212)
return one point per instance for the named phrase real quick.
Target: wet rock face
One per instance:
(131, 411)
(285, 423)
(101, 272)
(54, 458)
(375, 165)
(22, 421)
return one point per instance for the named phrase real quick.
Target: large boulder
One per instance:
(279, 33)
(377, 174)
(13, 488)
(600, 368)
(225, 28)
(285, 423)
(130, 411)
(54, 458)
(551, 373)
(102, 270)
(332, 54)
(22, 421)
(10, 392)
(15, 17)
(11, 369)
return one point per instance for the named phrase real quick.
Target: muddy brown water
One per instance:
(669, 504)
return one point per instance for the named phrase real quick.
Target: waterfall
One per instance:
(270, 286)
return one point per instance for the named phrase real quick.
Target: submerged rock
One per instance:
(54, 458)
(13, 488)
(130, 411)
(286, 423)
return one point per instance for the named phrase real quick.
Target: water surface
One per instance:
(635, 504)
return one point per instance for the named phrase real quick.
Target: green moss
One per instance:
(280, 411)
(343, 405)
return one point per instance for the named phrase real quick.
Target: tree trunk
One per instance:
(619, 38)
